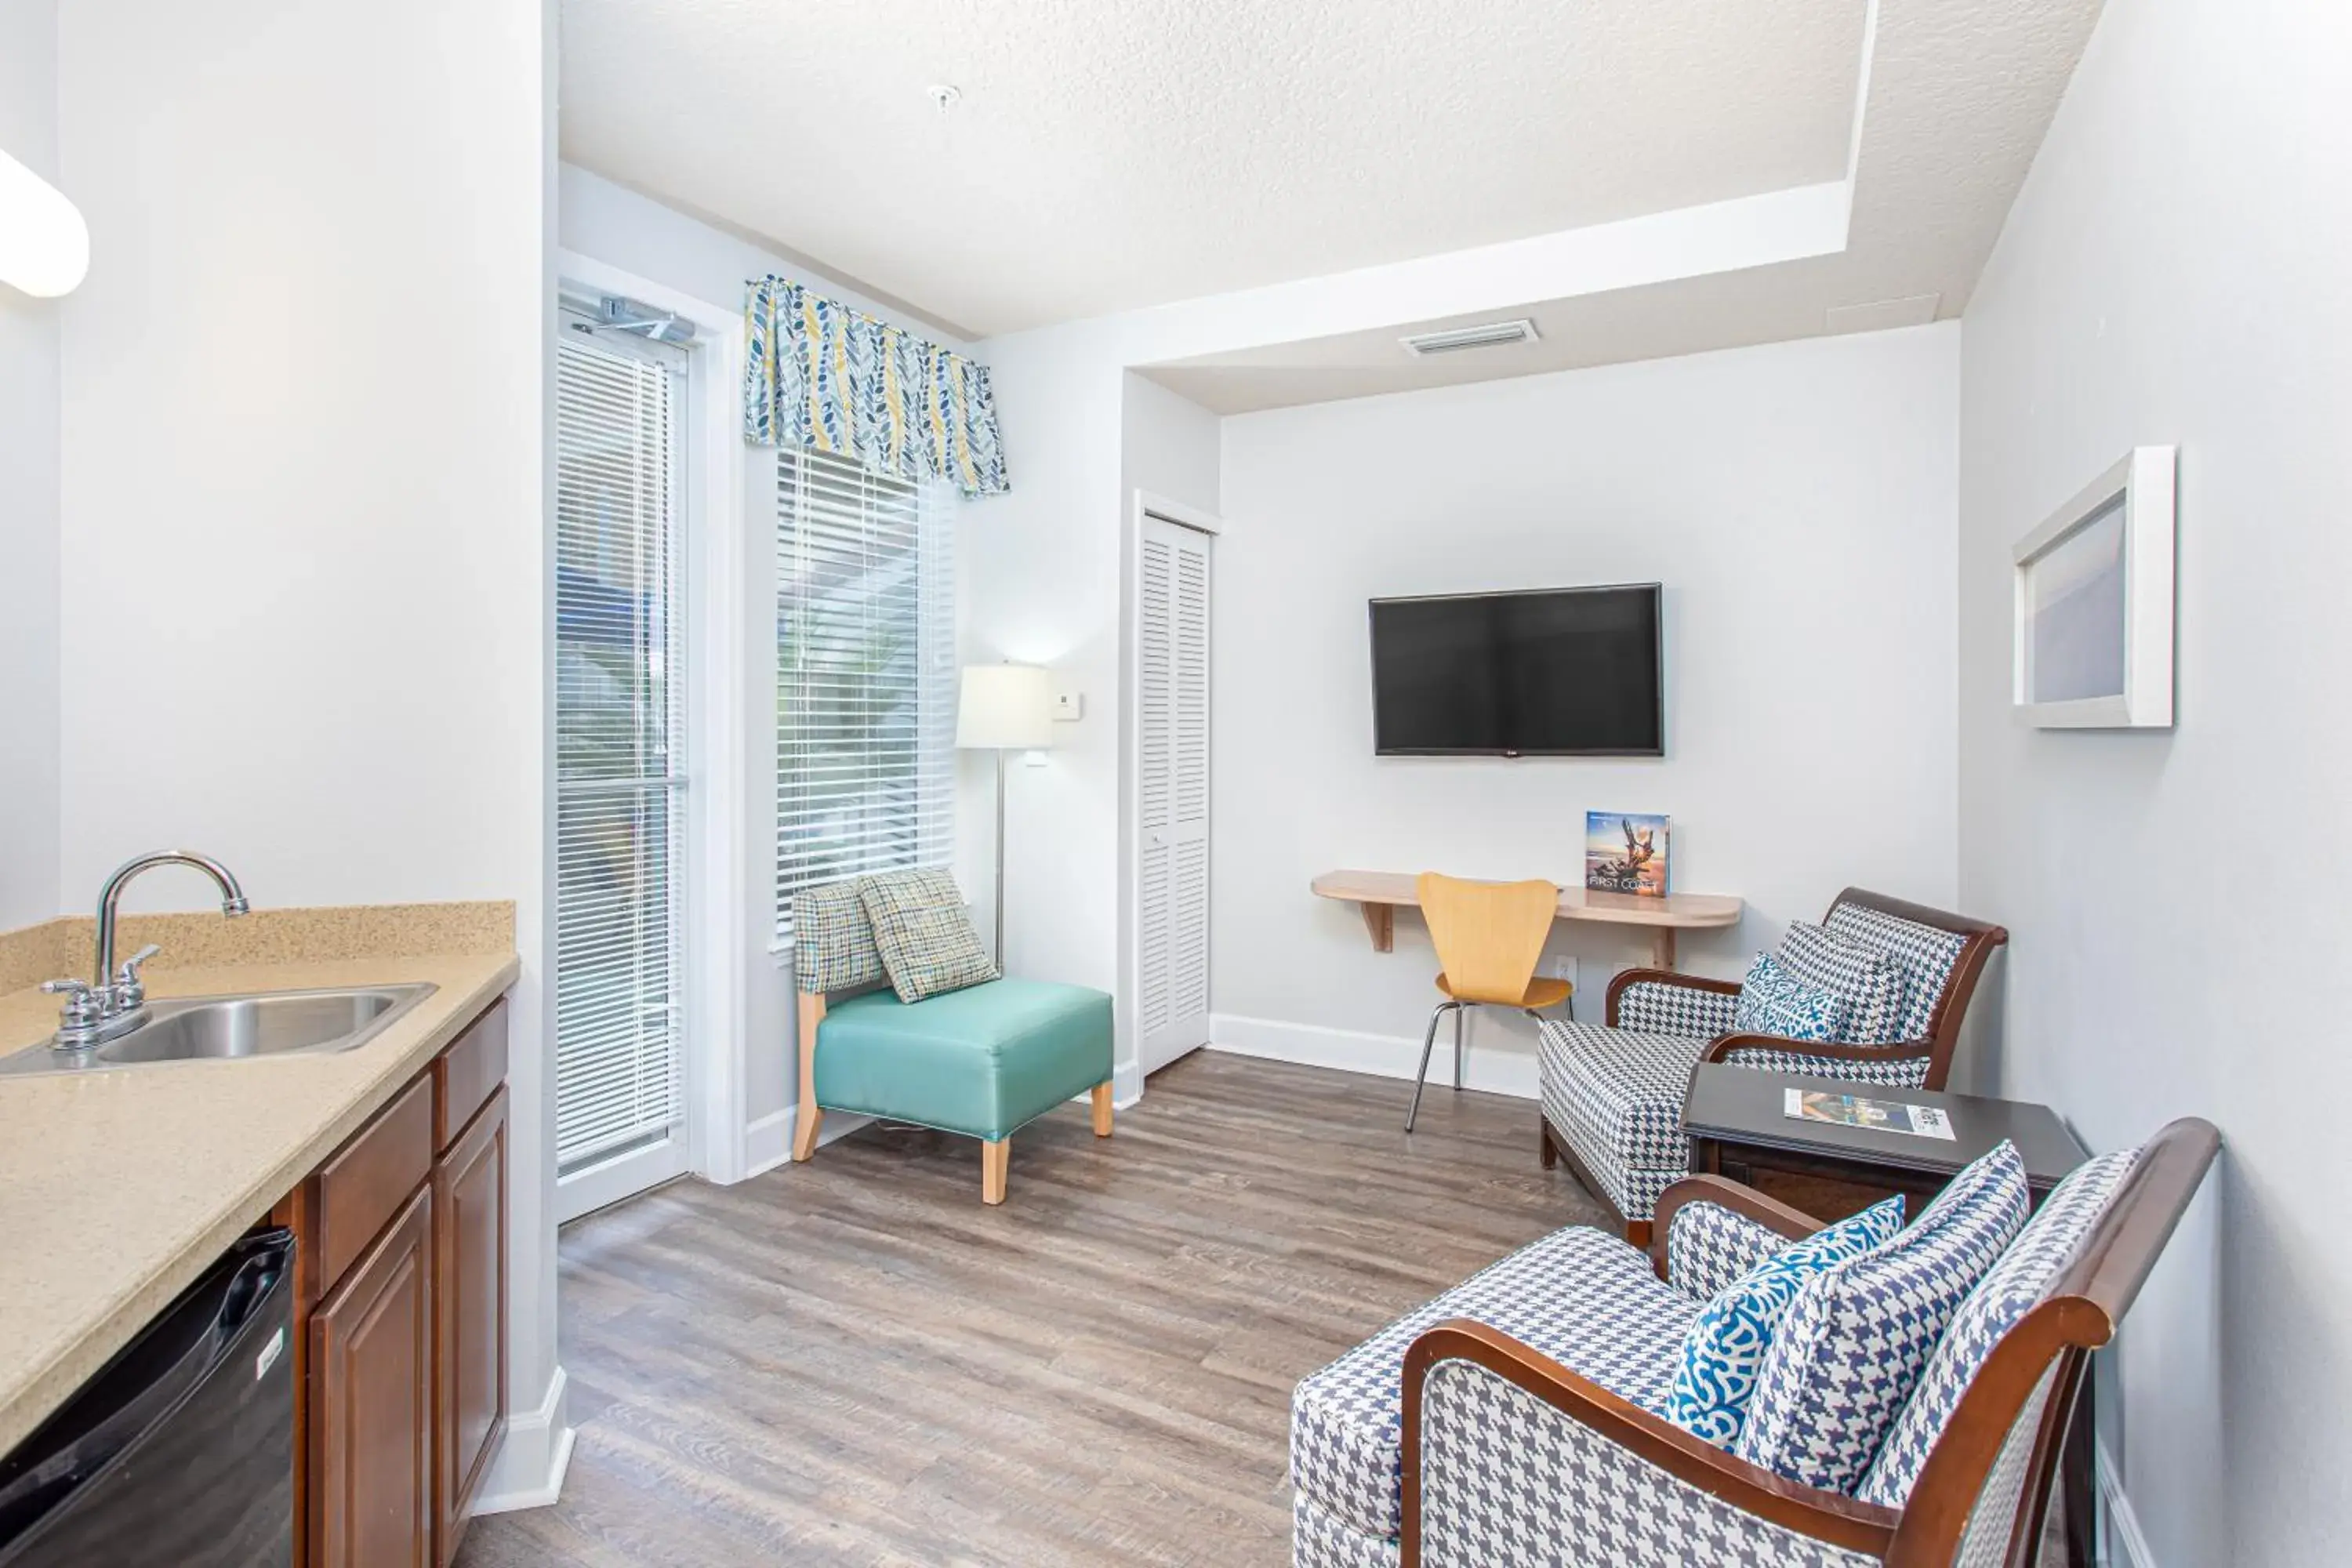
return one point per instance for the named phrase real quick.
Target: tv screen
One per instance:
(1550, 672)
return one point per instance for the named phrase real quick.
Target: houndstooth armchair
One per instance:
(1613, 1095)
(1512, 1422)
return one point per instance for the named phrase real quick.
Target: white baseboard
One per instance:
(1487, 1067)
(2121, 1544)
(768, 1142)
(532, 1456)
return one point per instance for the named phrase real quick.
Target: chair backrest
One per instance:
(1941, 956)
(1986, 1484)
(1489, 935)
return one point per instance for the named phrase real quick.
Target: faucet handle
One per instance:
(83, 1004)
(129, 991)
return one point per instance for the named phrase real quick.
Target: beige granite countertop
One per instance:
(118, 1188)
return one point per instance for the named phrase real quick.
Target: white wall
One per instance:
(2174, 271)
(1038, 571)
(1797, 502)
(28, 499)
(1043, 578)
(304, 500)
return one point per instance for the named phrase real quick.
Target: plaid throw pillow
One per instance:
(833, 942)
(927, 939)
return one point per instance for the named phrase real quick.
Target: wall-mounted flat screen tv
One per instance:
(1560, 672)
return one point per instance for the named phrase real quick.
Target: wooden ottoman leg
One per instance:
(995, 1158)
(805, 1124)
(1550, 1154)
(1102, 1109)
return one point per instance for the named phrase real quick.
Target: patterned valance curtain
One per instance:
(821, 375)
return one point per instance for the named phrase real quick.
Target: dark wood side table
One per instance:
(1738, 1129)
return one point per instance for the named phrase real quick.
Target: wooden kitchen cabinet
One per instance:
(371, 1404)
(469, 1286)
(400, 1316)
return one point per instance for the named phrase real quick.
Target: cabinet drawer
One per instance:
(467, 1074)
(372, 1178)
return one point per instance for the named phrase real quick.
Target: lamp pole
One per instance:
(998, 931)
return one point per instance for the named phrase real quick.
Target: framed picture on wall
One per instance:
(2094, 604)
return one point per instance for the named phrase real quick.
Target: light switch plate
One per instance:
(1069, 707)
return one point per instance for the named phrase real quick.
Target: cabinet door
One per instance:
(470, 1189)
(372, 1402)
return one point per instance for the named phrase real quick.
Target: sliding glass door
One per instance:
(620, 760)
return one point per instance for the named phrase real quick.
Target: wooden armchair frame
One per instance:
(2079, 1316)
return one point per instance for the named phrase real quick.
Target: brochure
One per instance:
(1859, 1110)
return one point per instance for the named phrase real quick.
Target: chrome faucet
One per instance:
(113, 1001)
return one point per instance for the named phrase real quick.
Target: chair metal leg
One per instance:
(1458, 1013)
(1428, 1044)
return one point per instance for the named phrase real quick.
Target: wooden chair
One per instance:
(1489, 937)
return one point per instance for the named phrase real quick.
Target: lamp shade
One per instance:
(1009, 706)
(44, 243)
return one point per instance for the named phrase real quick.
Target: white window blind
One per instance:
(620, 707)
(866, 675)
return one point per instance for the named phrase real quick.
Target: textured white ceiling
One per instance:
(1113, 153)
(1961, 94)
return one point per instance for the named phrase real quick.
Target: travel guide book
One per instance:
(1625, 852)
(1859, 1110)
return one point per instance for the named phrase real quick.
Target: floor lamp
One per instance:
(1003, 708)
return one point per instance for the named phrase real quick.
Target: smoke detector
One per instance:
(1486, 335)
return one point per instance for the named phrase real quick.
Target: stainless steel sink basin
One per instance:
(265, 1024)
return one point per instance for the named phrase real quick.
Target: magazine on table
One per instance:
(1860, 1110)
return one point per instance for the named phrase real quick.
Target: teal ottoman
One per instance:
(981, 1061)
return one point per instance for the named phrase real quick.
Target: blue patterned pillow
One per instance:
(1725, 1348)
(1774, 1002)
(1871, 983)
(1851, 1346)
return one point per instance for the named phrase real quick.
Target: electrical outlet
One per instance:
(1562, 966)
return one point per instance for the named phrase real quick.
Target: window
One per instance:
(866, 675)
(620, 706)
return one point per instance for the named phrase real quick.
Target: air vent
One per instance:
(1453, 340)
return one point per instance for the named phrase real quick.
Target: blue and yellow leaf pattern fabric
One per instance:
(820, 375)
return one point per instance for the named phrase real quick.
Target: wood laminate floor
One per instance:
(855, 1361)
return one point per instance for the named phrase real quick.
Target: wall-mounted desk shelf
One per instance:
(1380, 894)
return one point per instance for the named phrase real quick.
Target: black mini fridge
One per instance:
(180, 1452)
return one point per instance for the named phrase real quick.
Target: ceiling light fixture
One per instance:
(44, 243)
(1486, 335)
(945, 96)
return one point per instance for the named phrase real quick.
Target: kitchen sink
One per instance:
(263, 1024)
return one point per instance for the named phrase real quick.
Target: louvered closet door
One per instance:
(1172, 869)
(620, 710)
